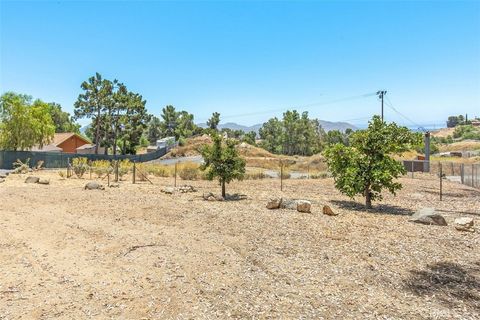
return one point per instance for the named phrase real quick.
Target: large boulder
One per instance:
(328, 211)
(304, 206)
(93, 185)
(274, 203)
(428, 216)
(464, 224)
(32, 179)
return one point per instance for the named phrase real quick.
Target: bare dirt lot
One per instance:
(135, 253)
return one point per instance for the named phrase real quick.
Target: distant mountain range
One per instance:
(326, 125)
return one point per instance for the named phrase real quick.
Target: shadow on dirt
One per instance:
(377, 208)
(452, 284)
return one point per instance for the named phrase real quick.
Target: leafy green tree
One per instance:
(24, 124)
(221, 160)
(62, 120)
(154, 130)
(93, 103)
(213, 122)
(271, 134)
(133, 122)
(169, 121)
(366, 167)
(295, 134)
(250, 137)
(185, 125)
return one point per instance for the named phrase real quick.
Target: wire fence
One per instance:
(465, 173)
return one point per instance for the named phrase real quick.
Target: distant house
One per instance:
(476, 123)
(67, 142)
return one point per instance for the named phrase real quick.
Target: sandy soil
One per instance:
(135, 253)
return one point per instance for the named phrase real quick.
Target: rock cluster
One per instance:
(181, 189)
(209, 196)
(291, 204)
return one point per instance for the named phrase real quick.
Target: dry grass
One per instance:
(443, 133)
(135, 253)
(466, 145)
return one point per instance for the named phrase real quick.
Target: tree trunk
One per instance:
(223, 188)
(97, 131)
(368, 199)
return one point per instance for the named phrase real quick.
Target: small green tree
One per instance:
(222, 161)
(213, 122)
(366, 166)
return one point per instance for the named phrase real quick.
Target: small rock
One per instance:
(304, 206)
(94, 186)
(32, 180)
(44, 181)
(207, 195)
(274, 203)
(219, 198)
(428, 216)
(211, 198)
(114, 185)
(464, 224)
(328, 211)
(168, 190)
(2, 180)
(3, 176)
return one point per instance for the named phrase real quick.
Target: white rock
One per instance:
(464, 224)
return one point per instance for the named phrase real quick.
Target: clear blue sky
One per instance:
(238, 58)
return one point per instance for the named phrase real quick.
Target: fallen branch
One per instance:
(133, 248)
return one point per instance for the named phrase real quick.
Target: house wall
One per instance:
(71, 144)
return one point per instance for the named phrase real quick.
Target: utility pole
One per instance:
(426, 164)
(380, 94)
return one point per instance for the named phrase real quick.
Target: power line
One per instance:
(390, 105)
(301, 107)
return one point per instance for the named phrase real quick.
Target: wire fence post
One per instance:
(108, 178)
(308, 172)
(412, 166)
(441, 178)
(281, 175)
(462, 173)
(116, 171)
(471, 175)
(134, 173)
(175, 180)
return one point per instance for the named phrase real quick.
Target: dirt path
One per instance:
(134, 253)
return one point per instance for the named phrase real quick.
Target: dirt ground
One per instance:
(135, 253)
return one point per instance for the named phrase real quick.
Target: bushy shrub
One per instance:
(124, 167)
(80, 166)
(101, 167)
(189, 171)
